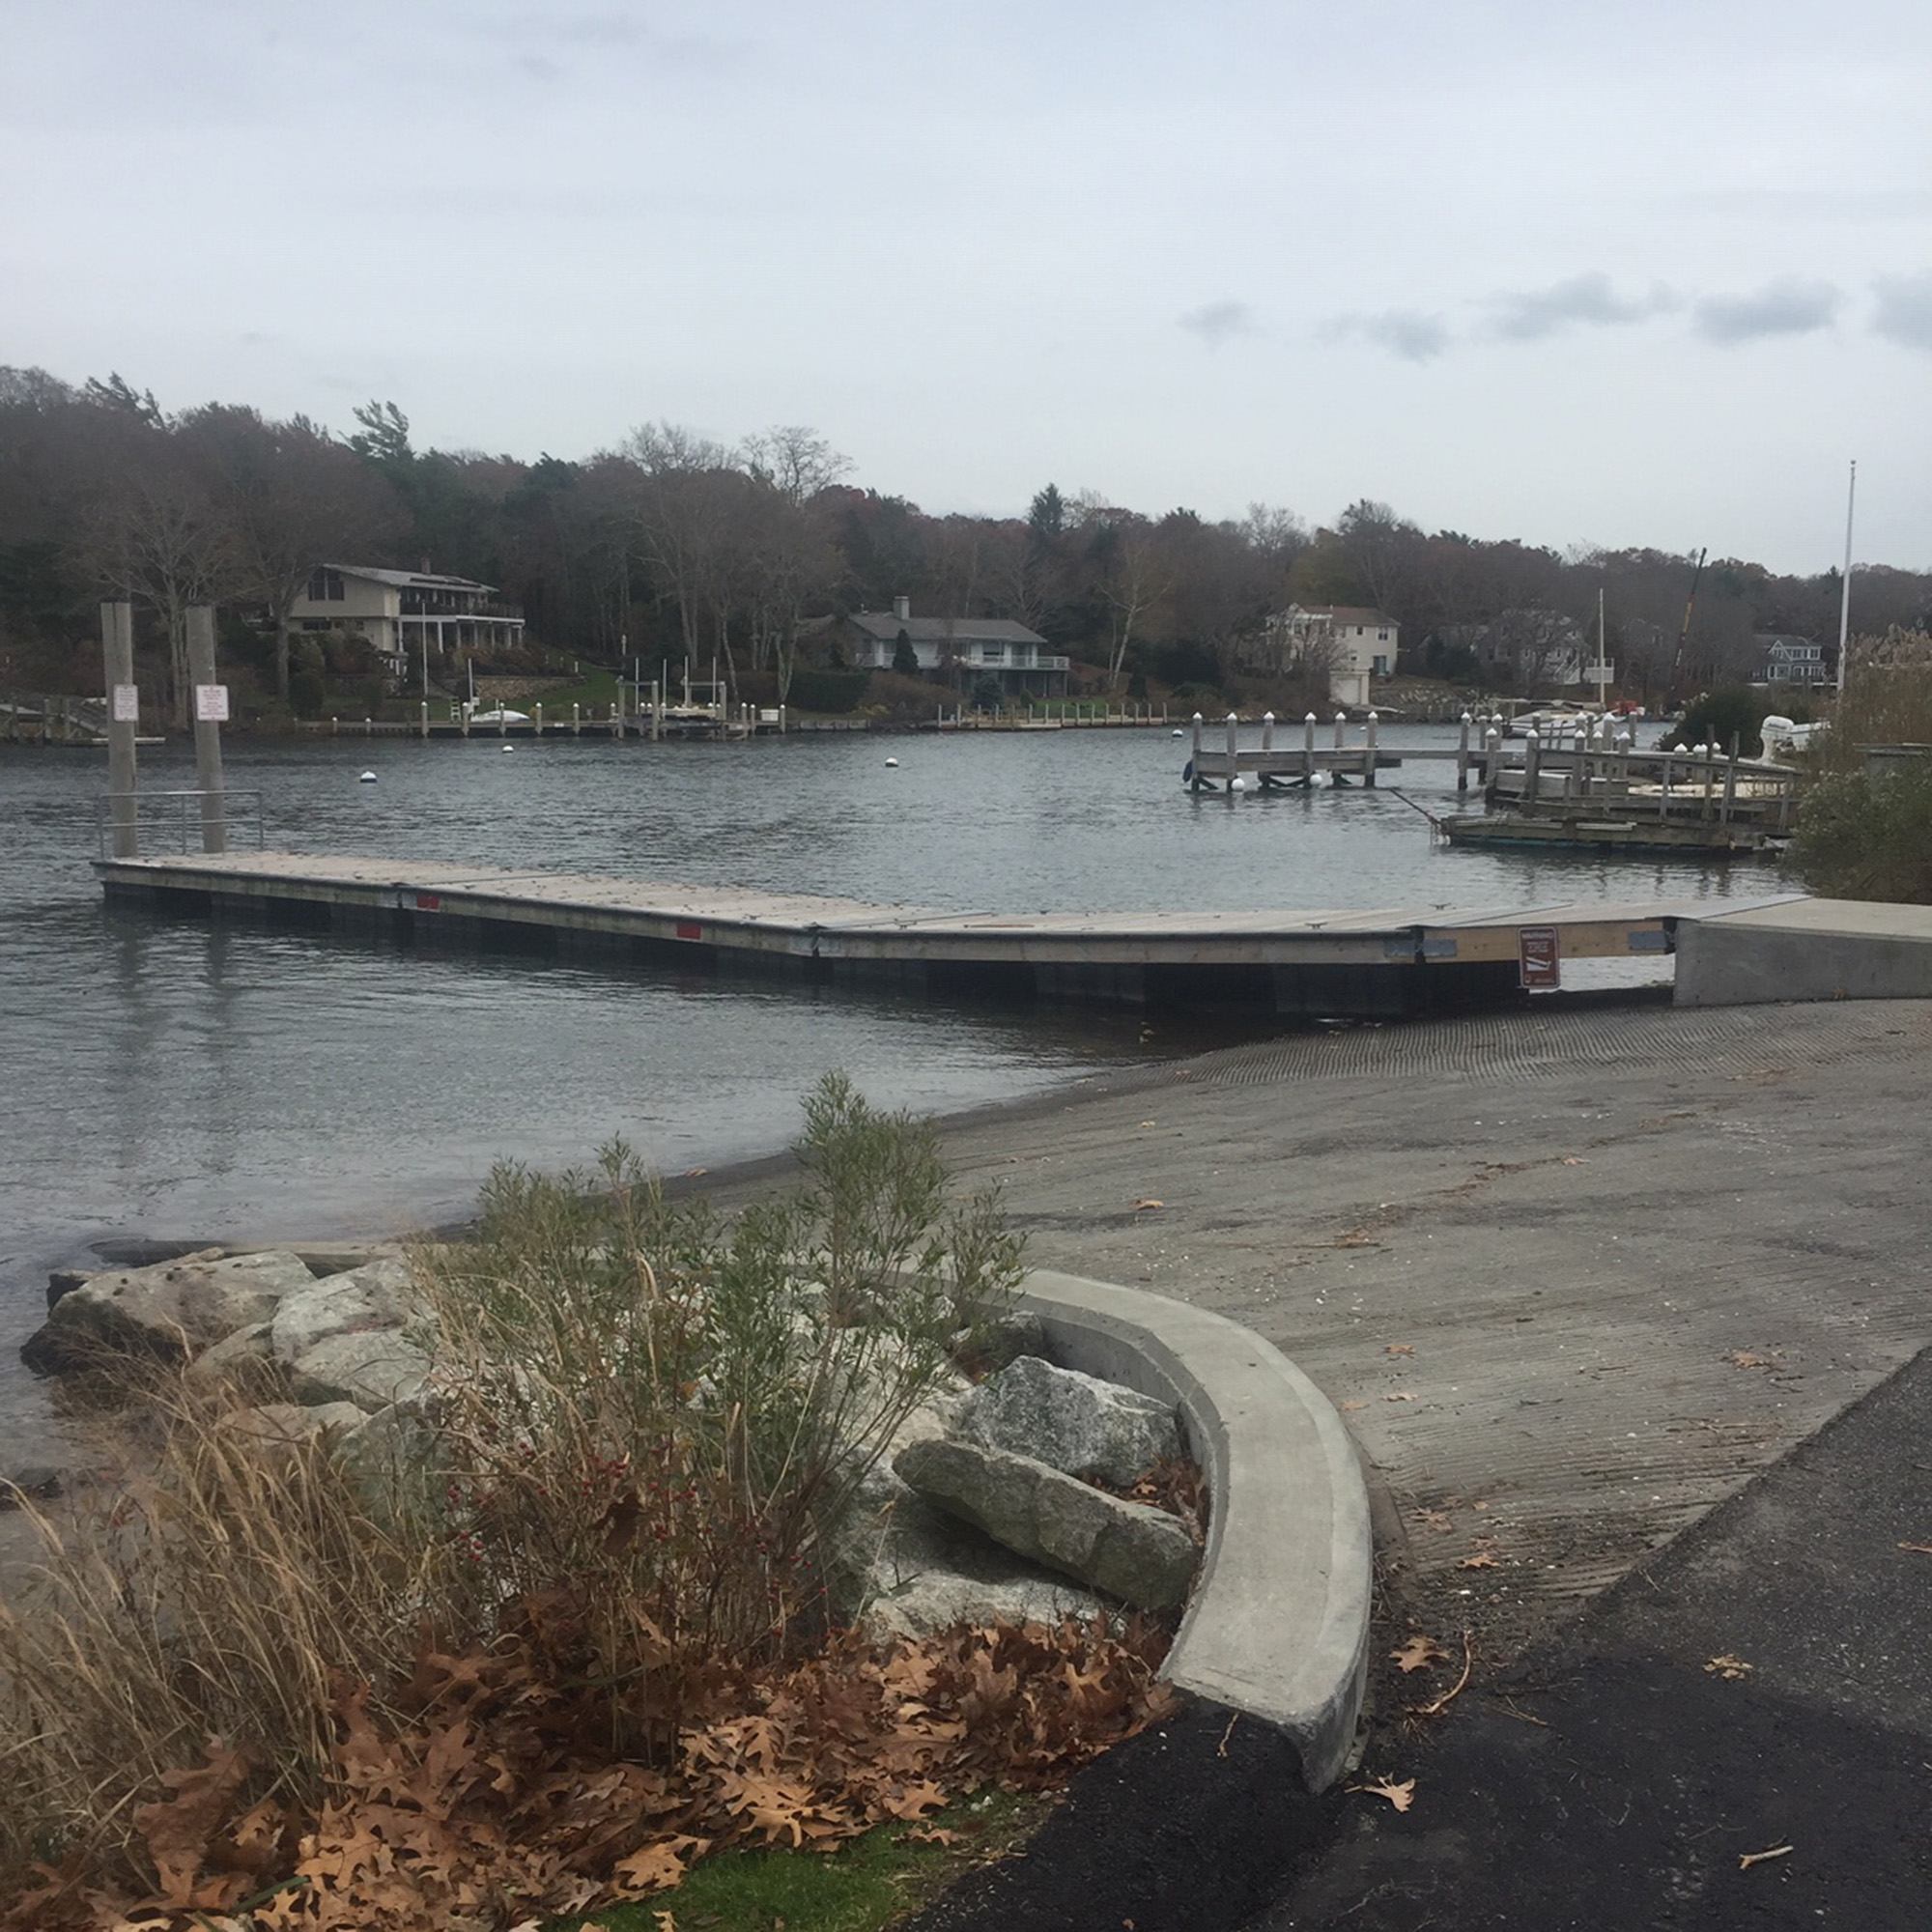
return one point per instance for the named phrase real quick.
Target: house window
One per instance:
(325, 587)
(1382, 666)
(993, 654)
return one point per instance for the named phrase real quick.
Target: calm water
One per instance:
(179, 1080)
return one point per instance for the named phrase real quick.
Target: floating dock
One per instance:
(1340, 963)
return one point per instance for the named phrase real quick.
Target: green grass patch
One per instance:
(868, 1883)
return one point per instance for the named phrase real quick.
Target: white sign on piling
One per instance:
(126, 708)
(211, 703)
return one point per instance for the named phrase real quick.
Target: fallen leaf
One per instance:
(1402, 1796)
(1574, 1160)
(665, 1922)
(693, 1173)
(1917, 1549)
(1363, 1405)
(1745, 1859)
(1147, 1124)
(1728, 1666)
(932, 1835)
(1419, 1653)
(1140, 1206)
(1398, 1395)
(1481, 1561)
(1399, 1349)
(1744, 1359)
(1356, 1238)
(1440, 1704)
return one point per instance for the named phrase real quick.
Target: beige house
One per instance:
(405, 614)
(1353, 645)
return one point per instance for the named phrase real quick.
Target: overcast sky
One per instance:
(1647, 273)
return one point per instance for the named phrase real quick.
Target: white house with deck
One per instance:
(407, 613)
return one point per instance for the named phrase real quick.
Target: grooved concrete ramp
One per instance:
(1278, 1624)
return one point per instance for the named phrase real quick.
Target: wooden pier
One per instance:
(1591, 796)
(1299, 760)
(1341, 963)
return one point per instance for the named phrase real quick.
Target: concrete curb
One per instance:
(1278, 1627)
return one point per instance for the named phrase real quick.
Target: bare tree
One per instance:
(293, 496)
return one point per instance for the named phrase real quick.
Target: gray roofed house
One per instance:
(966, 647)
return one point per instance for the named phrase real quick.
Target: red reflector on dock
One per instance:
(428, 903)
(688, 929)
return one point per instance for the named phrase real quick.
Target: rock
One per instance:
(990, 1345)
(36, 1482)
(371, 1368)
(379, 1294)
(929, 1571)
(64, 1280)
(1073, 1423)
(173, 1309)
(283, 1422)
(244, 1361)
(1131, 1550)
(391, 1458)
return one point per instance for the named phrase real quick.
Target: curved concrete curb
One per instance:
(1279, 1621)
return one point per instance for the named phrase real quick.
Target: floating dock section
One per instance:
(1338, 963)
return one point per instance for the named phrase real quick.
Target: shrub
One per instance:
(1861, 838)
(643, 1422)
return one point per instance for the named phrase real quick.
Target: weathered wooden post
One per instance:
(1308, 750)
(576, 719)
(1194, 780)
(1267, 731)
(422, 721)
(1234, 750)
(1532, 759)
(211, 707)
(123, 718)
(1463, 754)
(1341, 724)
(1369, 751)
(536, 717)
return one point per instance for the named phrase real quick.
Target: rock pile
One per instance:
(989, 1510)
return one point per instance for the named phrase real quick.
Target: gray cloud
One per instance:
(1786, 307)
(1904, 309)
(1216, 323)
(1529, 315)
(1405, 333)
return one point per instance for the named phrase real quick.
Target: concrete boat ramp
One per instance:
(1316, 963)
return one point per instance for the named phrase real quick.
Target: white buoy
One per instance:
(509, 748)
(892, 763)
(367, 778)
(1237, 784)
(1177, 733)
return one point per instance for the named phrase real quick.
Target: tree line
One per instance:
(668, 545)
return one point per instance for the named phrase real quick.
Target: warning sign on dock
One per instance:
(1538, 956)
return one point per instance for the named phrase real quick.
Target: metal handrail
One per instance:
(191, 816)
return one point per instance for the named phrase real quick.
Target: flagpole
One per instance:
(1845, 586)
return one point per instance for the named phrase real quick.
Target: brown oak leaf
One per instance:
(1402, 1796)
(1419, 1653)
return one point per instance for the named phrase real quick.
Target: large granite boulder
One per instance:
(1131, 1550)
(379, 1294)
(372, 1367)
(171, 1310)
(1072, 1423)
